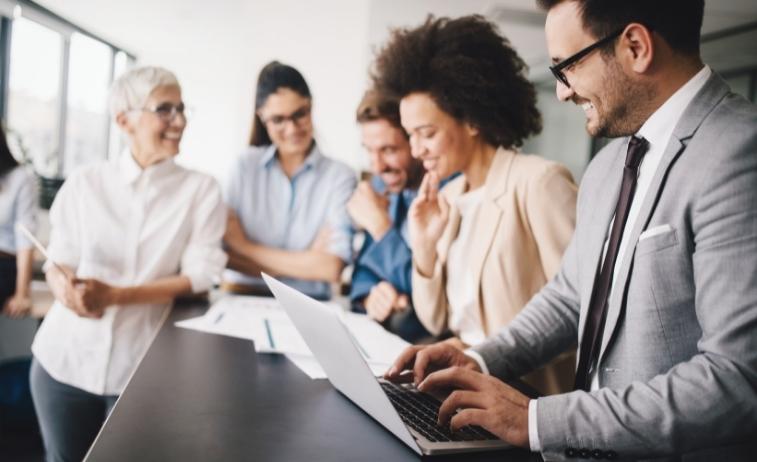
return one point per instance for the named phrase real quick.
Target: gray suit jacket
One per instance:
(678, 363)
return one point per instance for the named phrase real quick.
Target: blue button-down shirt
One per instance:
(276, 211)
(389, 259)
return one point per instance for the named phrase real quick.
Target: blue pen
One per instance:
(220, 316)
(270, 334)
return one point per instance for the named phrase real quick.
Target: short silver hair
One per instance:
(132, 89)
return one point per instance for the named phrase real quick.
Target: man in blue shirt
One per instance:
(381, 283)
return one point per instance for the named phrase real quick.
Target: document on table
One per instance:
(377, 344)
(263, 321)
(259, 319)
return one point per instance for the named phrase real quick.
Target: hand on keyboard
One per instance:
(417, 361)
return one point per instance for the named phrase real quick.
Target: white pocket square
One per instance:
(655, 231)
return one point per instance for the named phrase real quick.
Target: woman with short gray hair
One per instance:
(127, 236)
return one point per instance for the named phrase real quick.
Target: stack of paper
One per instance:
(263, 321)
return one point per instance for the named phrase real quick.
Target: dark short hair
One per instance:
(273, 77)
(469, 70)
(679, 22)
(7, 161)
(378, 106)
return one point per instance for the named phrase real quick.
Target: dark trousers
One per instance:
(7, 278)
(69, 417)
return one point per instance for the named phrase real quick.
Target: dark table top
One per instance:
(198, 396)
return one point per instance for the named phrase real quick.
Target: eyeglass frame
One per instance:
(170, 116)
(557, 69)
(295, 117)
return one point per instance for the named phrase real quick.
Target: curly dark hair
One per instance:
(469, 70)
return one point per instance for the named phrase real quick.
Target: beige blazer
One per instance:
(526, 220)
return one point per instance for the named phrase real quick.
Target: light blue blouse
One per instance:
(288, 214)
(18, 204)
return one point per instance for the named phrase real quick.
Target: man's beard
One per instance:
(625, 106)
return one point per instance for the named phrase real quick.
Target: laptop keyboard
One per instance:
(420, 410)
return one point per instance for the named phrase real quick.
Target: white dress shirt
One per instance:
(464, 316)
(18, 204)
(126, 226)
(657, 130)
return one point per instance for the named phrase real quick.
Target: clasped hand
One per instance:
(87, 297)
(476, 398)
(383, 300)
(368, 209)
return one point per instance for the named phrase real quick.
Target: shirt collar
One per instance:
(131, 170)
(660, 125)
(269, 157)
(266, 160)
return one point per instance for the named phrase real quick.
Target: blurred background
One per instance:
(58, 58)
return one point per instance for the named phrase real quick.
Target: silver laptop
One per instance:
(403, 410)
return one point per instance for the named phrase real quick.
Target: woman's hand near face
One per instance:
(428, 216)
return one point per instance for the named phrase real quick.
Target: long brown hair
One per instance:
(274, 76)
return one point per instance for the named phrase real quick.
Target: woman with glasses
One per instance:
(287, 201)
(127, 236)
(495, 235)
(18, 206)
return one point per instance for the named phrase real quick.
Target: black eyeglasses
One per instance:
(557, 69)
(297, 117)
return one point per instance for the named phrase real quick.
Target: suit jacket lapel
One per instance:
(626, 259)
(489, 216)
(710, 95)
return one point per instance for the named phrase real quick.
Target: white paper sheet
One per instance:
(258, 319)
(263, 321)
(378, 345)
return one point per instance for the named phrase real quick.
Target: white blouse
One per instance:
(126, 226)
(464, 317)
(18, 204)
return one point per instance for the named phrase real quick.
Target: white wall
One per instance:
(528, 40)
(217, 50)
(327, 42)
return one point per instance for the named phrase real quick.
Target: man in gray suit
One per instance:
(659, 284)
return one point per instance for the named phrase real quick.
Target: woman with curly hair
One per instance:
(495, 235)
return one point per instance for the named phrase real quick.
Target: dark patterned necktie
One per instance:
(595, 317)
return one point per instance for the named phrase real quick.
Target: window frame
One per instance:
(5, 48)
(38, 14)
